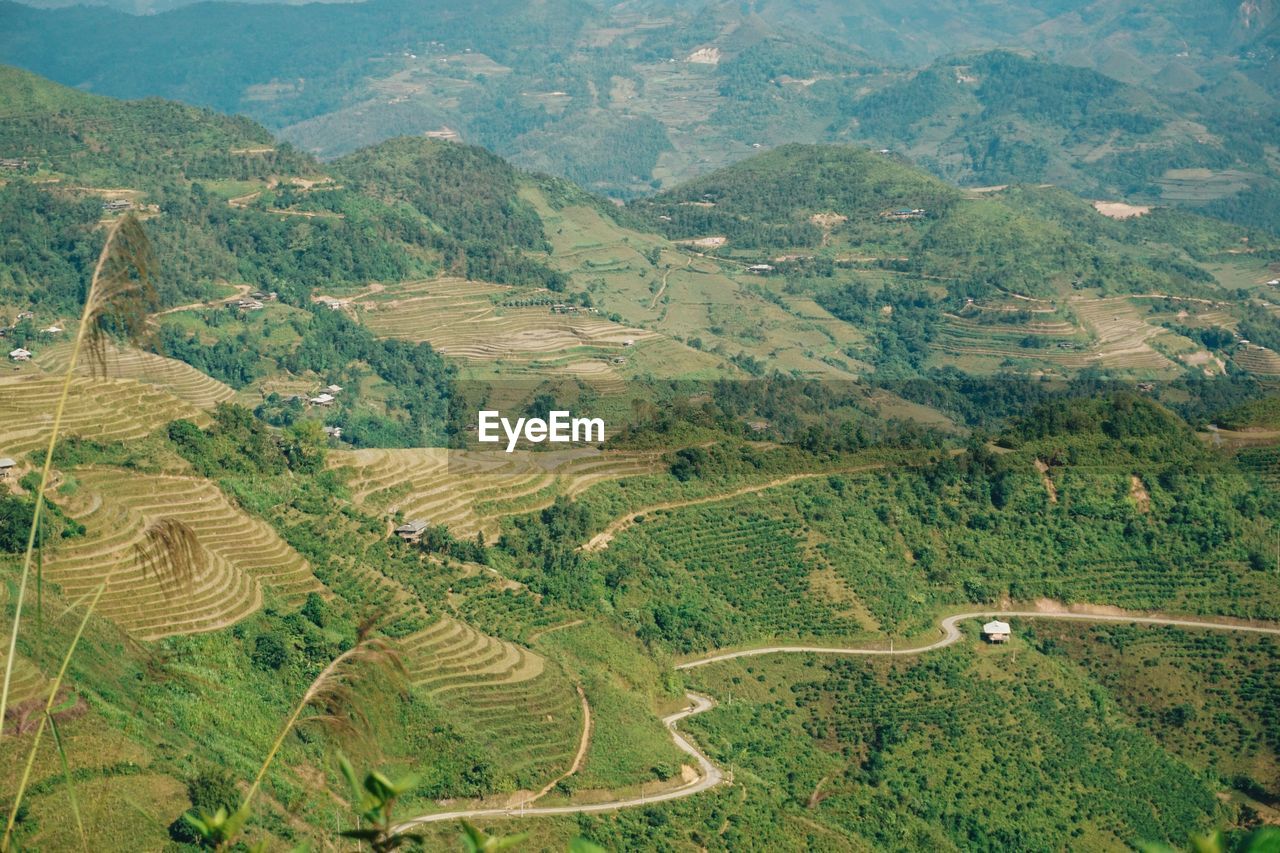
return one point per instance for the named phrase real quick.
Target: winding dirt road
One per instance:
(711, 775)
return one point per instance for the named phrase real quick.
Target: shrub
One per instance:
(269, 652)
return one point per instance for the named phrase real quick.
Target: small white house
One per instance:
(52, 330)
(322, 400)
(7, 466)
(333, 431)
(996, 631)
(334, 389)
(20, 354)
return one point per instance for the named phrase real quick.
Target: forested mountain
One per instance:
(996, 117)
(631, 98)
(1178, 43)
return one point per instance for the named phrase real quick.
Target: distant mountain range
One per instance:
(1175, 106)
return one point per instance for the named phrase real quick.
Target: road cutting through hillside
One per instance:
(711, 775)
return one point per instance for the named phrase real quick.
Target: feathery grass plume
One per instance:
(171, 550)
(118, 297)
(334, 693)
(122, 295)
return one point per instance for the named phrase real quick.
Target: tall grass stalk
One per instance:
(47, 716)
(70, 783)
(119, 293)
(327, 687)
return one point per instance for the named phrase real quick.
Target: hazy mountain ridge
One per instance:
(639, 95)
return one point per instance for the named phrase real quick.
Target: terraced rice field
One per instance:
(534, 724)
(597, 373)
(1122, 334)
(1258, 360)
(519, 705)
(99, 409)
(28, 682)
(241, 554)
(1059, 341)
(462, 319)
(451, 655)
(178, 378)
(471, 492)
(1263, 462)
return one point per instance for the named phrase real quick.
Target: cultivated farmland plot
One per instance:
(496, 682)
(467, 319)
(516, 702)
(178, 378)
(1057, 341)
(97, 409)
(241, 554)
(1257, 359)
(1123, 336)
(471, 492)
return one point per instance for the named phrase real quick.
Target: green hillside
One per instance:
(848, 403)
(109, 143)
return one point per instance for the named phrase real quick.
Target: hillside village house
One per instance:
(322, 400)
(20, 354)
(996, 632)
(904, 213)
(411, 531)
(7, 467)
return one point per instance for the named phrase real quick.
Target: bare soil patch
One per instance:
(1119, 209)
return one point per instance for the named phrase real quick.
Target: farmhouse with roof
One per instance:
(996, 631)
(7, 466)
(904, 213)
(20, 354)
(411, 531)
